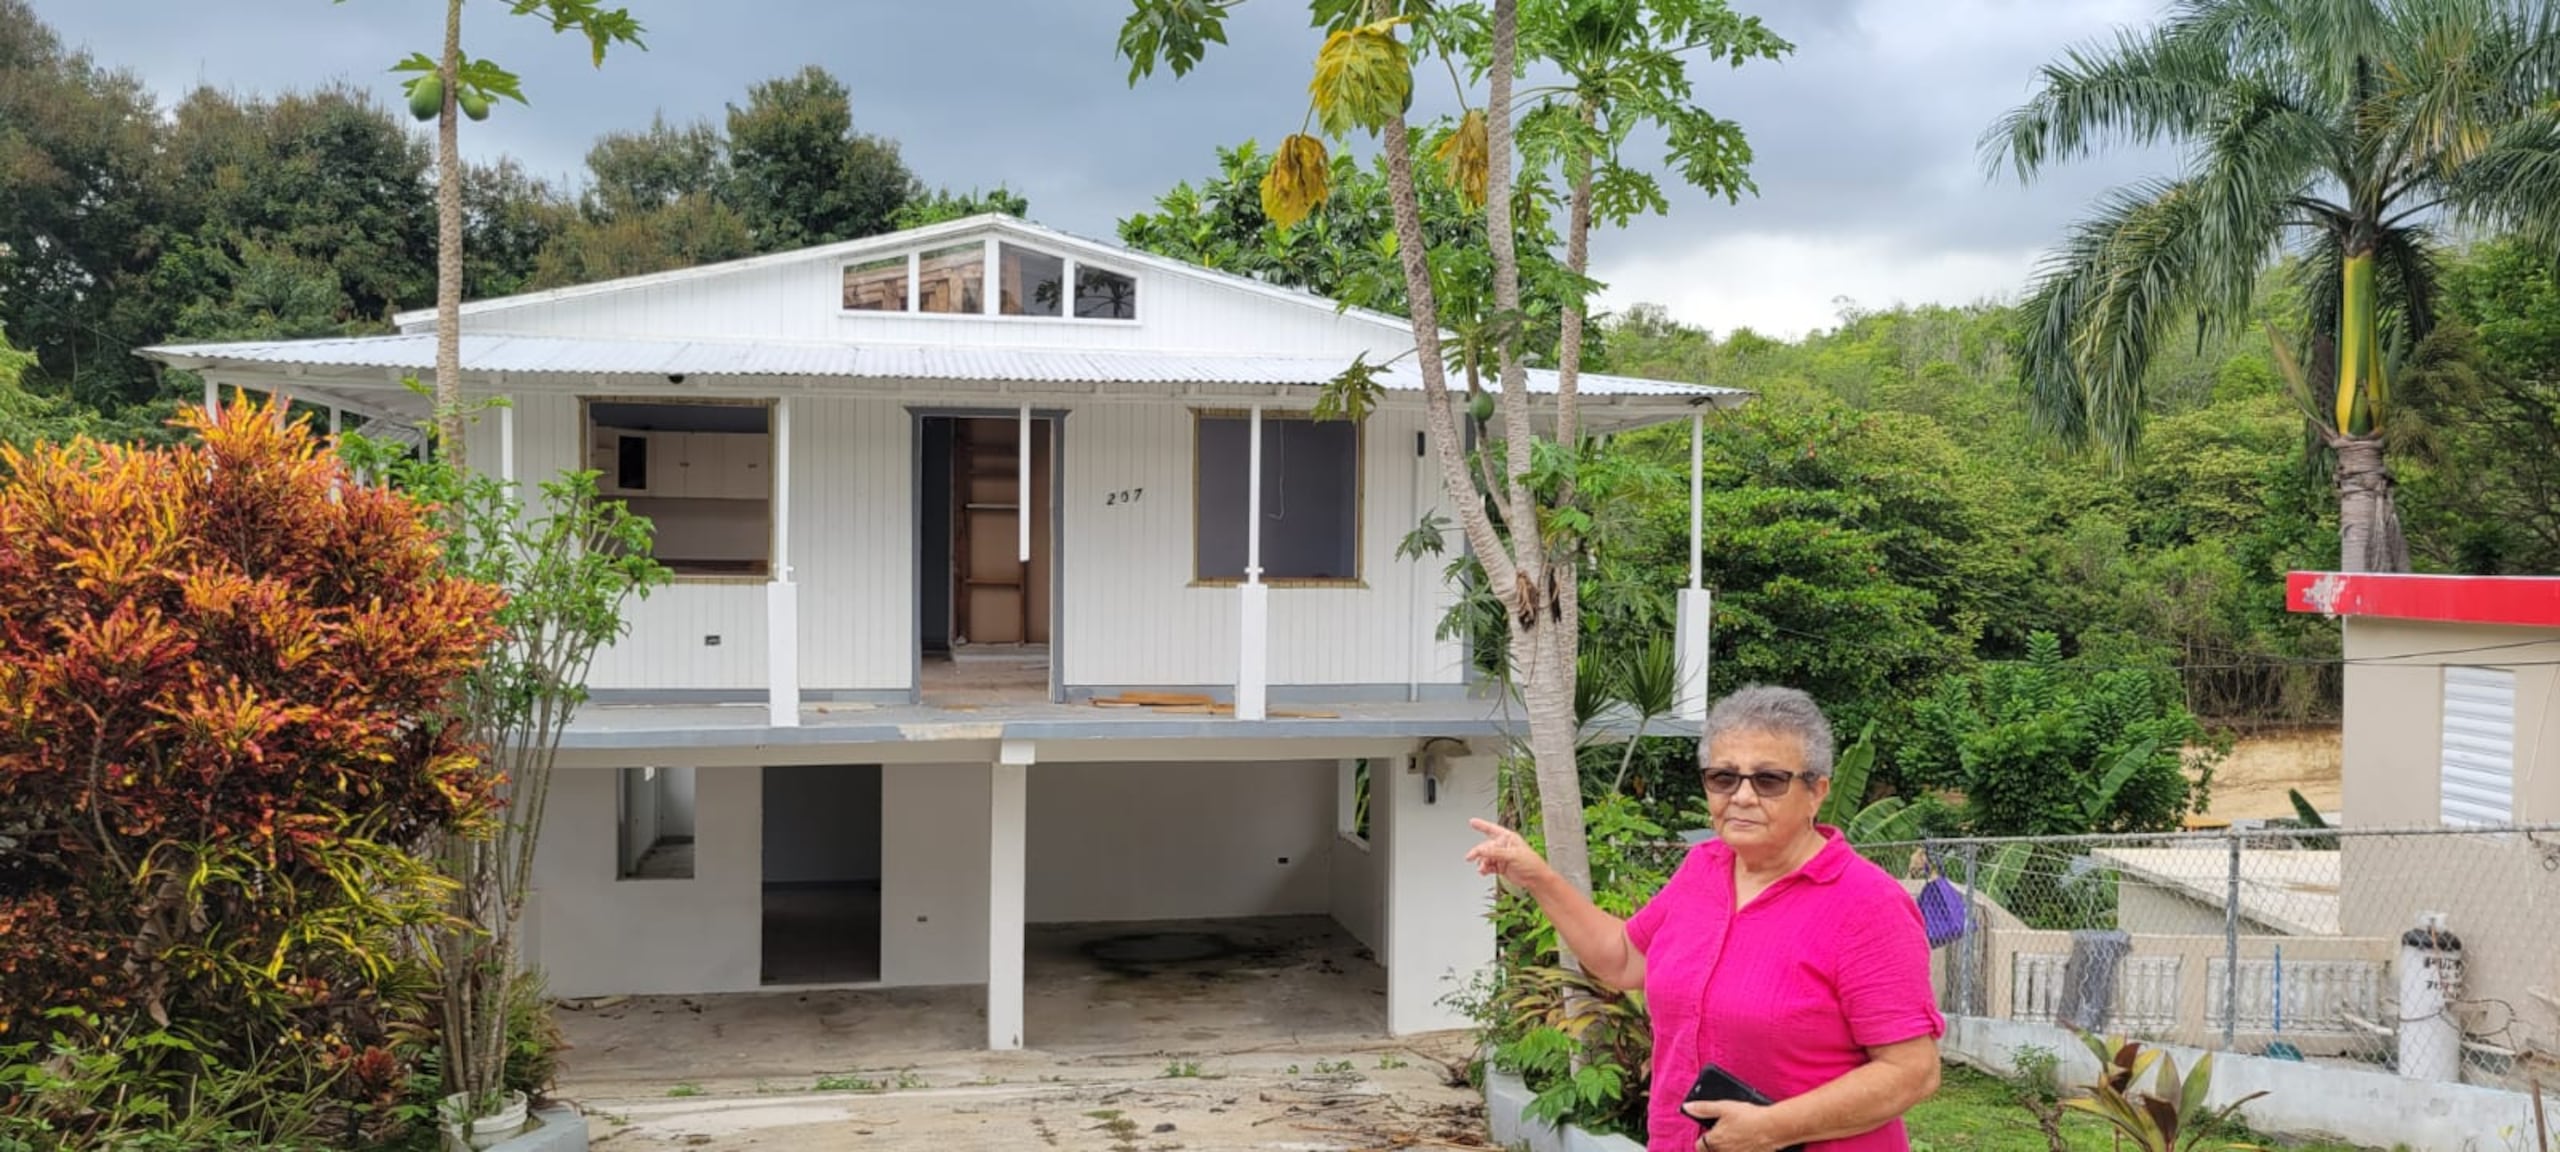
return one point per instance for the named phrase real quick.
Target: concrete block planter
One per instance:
(554, 1128)
(1506, 1112)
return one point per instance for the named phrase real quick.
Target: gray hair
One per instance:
(1778, 712)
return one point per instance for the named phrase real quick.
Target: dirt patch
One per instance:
(2252, 783)
(1319, 1098)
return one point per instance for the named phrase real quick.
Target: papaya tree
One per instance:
(2340, 133)
(1624, 66)
(444, 89)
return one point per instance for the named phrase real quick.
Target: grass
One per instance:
(1973, 1112)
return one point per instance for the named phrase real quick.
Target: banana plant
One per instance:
(2172, 1115)
(1889, 820)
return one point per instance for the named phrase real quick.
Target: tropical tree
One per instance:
(2342, 132)
(445, 89)
(1624, 65)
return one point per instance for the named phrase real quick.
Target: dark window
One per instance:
(1031, 283)
(1310, 498)
(1105, 295)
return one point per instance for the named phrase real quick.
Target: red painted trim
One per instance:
(2529, 601)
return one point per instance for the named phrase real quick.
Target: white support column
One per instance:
(1022, 489)
(1695, 604)
(212, 398)
(1438, 937)
(336, 427)
(782, 595)
(507, 442)
(1690, 644)
(1254, 649)
(1697, 497)
(1008, 815)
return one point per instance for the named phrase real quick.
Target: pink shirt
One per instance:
(1789, 993)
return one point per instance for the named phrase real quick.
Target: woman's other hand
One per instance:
(1739, 1127)
(1504, 854)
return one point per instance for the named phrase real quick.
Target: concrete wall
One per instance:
(2304, 1099)
(1179, 841)
(933, 874)
(821, 823)
(640, 824)
(597, 934)
(2395, 715)
(2497, 896)
(675, 802)
(1438, 938)
(1359, 873)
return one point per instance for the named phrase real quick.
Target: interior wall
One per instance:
(822, 823)
(933, 873)
(640, 826)
(933, 554)
(595, 934)
(730, 531)
(1180, 841)
(675, 802)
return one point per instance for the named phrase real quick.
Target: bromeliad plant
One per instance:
(569, 563)
(2172, 1116)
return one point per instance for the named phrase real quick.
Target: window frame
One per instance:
(1359, 577)
(990, 304)
(773, 479)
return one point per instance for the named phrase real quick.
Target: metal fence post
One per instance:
(2231, 949)
(1973, 936)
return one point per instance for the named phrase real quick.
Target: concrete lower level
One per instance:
(1172, 986)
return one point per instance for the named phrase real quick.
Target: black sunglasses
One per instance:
(1770, 785)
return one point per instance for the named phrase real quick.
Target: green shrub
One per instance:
(134, 1088)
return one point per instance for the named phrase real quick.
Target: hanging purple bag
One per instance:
(1942, 911)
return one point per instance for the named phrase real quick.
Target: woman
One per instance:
(1775, 953)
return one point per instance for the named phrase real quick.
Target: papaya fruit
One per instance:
(426, 97)
(1481, 407)
(474, 105)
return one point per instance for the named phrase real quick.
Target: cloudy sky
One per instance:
(1871, 190)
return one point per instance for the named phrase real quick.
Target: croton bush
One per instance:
(227, 677)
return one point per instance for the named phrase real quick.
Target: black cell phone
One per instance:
(1714, 1083)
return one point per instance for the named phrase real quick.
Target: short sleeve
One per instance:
(1884, 974)
(1647, 921)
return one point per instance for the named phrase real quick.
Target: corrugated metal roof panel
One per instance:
(539, 355)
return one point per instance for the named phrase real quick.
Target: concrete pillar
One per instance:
(1692, 648)
(1253, 648)
(1438, 935)
(782, 596)
(1008, 811)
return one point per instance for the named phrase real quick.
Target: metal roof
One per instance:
(577, 356)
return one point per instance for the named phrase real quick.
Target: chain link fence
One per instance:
(2431, 952)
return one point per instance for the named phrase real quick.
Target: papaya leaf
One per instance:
(1298, 181)
(1363, 79)
(1352, 394)
(1465, 154)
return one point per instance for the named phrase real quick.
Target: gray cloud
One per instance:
(1865, 136)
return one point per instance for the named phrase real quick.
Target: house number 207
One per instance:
(1123, 496)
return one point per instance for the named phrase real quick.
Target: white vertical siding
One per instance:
(802, 302)
(853, 542)
(1131, 615)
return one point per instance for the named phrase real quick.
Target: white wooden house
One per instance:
(927, 496)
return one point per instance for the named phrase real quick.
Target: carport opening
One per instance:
(822, 874)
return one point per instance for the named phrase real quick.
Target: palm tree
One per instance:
(2340, 133)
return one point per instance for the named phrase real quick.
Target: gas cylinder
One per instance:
(2430, 984)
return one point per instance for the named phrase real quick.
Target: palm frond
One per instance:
(2105, 300)
(2148, 86)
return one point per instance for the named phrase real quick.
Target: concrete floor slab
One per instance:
(1091, 990)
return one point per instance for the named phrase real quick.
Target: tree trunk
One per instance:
(2369, 536)
(449, 247)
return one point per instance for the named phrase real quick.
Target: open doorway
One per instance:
(984, 607)
(822, 874)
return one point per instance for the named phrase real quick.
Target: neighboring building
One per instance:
(2452, 719)
(928, 496)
